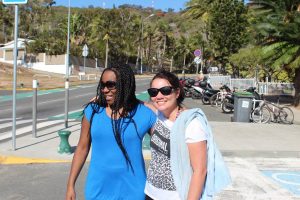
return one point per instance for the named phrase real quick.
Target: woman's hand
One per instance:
(71, 195)
(94, 99)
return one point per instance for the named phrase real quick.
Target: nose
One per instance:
(159, 95)
(105, 90)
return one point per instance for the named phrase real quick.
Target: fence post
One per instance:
(34, 107)
(267, 84)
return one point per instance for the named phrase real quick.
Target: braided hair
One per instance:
(124, 106)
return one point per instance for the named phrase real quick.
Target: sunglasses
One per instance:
(110, 85)
(153, 92)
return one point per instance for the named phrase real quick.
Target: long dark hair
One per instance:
(125, 100)
(173, 80)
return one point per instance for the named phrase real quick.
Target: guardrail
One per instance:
(277, 88)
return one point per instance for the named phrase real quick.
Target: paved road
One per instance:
(254, 177)
(48, 181)
(51, 102)
(50, 108)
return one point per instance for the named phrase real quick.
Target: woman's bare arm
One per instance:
(79, 158)
(198, 157)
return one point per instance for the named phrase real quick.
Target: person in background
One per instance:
(114, 125)
(179, 143)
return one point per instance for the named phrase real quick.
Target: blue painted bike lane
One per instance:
(289, 180)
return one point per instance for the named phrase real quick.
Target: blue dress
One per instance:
(109, 176)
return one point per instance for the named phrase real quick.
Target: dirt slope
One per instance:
(25, 76)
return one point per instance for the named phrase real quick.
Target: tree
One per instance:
(227, 28)
(223, 26)
(6, 19)
(278, 28)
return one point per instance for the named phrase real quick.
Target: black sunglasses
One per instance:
(110, 85)
(153, 92)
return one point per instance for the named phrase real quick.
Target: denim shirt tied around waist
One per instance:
(217, 177)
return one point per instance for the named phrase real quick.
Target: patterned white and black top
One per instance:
(160, 184)
(159, 173)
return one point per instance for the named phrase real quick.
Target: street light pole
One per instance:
(142, 48)
(67, 70)
(106, 38)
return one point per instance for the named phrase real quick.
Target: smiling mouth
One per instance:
(160, 102)
(108, 97)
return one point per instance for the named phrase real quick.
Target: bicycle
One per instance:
(217, 99)
(268, 111)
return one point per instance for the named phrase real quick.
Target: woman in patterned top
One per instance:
(167, 96)
(114, 126)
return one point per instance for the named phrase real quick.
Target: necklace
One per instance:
(178, 111)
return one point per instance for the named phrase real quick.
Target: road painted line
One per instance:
(147, 155)
(9, 119)
(18, 122)
(82, 95)
(27, 129)
(76, 114)
(13, 160)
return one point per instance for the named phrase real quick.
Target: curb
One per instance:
(13, 160)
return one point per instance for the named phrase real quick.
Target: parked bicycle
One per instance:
(216, 99)
(267, 112)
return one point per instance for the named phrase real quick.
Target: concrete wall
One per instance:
(55, 64)
(9, 56)
(59, 69)
(40, 57)
(33, 58)
(55, 60)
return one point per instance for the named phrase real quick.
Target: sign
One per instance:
(213, 69)
(197, 60)
(85, 51)
(197, 52)
(14, 1)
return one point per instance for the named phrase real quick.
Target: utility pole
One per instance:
(67, 70)
(106, 37)
(15, 54)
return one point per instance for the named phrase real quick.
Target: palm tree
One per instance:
(6, 21)
(278, 25)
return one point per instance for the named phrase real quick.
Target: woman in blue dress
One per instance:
(114, 126)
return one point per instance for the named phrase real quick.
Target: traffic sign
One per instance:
(85, 53)
(14, 1)
(213, 69)
(197, 53)
(85, 50)
(197, 60)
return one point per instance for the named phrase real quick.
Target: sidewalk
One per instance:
(234, 140)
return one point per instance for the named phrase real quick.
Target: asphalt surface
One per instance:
(263, 159)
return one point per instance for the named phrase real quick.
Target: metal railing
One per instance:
(275, 88)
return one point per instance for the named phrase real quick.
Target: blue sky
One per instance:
(158, 4)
